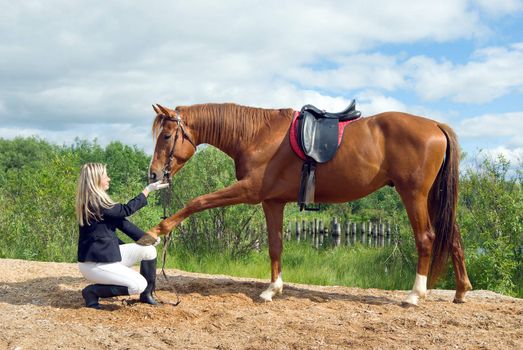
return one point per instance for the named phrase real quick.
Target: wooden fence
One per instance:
(335, 233)
(314, 232)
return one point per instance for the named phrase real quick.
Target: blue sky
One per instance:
(92, 69)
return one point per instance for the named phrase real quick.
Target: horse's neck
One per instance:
(230, 141)
(230, 148)
(233, 151)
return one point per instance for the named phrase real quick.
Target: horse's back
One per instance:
(405, 124)
(389, 129)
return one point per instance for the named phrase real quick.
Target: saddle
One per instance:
(318, 134)
(318, 130)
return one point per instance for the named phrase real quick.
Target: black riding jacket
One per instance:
(98, 241)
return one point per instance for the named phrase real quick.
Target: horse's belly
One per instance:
(345, 183)
(356, 171)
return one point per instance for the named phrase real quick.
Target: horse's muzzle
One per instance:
(153, 177)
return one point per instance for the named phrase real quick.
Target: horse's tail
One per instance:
(443, 199)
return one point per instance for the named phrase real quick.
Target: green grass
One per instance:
(357, 266)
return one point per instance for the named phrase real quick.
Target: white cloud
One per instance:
(352, 72)
(372, 102)
(500, 135)
(514, 156)
(500, 7)
(101, 57)
(492, 72)
(93, 69)
(507, 125)
(104, 133)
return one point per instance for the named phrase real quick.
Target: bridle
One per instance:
(166, 199)
(167, 167)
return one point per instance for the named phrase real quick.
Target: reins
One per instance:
(166, 200)
(166, 194)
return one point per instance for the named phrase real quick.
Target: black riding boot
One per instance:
(93, 292)
(148, 270)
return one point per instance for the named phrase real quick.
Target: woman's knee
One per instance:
(138, 285)
(149, 252)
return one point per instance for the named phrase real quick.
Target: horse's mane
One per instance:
(224, 123)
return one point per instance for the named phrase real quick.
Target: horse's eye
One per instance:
(166, 137)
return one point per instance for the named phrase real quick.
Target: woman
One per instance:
(102, 257)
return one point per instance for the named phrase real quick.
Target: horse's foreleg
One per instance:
(237, 193)
(274, 217)
(418, 213)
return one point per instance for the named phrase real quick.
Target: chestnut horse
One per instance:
(418, 156)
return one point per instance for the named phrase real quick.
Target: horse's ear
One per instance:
(164, 110)
(156, 109)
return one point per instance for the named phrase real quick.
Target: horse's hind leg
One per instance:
(460, 271)
(274, 217)
(417, 210)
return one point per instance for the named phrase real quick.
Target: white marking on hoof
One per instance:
(267, 295)
(274, 289)
(419, 290)
(412, 299)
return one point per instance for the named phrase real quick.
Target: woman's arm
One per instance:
(120, 211)
(130, 229)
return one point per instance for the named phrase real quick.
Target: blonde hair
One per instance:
(90, 196)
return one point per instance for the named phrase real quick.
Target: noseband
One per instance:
(167, 168)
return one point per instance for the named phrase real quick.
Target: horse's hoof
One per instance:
(411, 300)
(459, 297)
(408, 305)
(146, 239)
(267, 295)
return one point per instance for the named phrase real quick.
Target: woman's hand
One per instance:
(155, 186)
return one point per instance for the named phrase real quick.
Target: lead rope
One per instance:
(166, 200)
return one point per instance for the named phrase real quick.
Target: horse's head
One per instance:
(174, 144)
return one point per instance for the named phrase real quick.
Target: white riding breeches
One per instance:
(120, 273)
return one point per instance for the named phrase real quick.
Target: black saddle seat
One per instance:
(348, 113)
